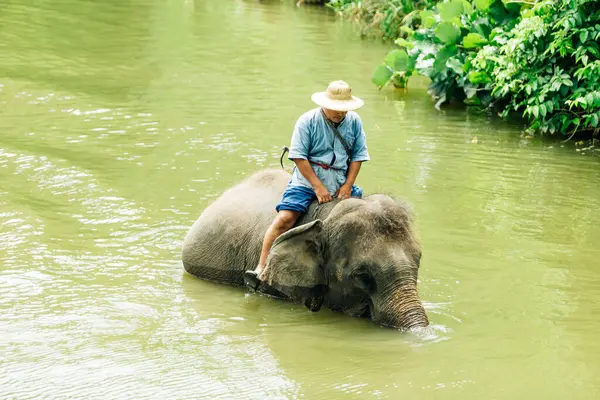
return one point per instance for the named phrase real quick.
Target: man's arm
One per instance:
(353, 170)
(299, 154)
(306, 170)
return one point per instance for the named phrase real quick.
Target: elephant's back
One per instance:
(227, 237)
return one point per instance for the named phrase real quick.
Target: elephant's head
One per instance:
(363, 259)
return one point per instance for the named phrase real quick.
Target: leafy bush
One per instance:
(548, 67)
(443, 46)
(379, 18)
(541, 60)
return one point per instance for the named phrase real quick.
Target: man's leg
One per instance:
(282, 223)
(294, 202)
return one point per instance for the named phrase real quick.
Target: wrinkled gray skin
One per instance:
(359, 256)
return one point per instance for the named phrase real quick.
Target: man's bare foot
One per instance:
(251, 278)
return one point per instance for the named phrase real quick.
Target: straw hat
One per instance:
(338, 97)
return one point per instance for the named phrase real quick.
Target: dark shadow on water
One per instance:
(264, 314)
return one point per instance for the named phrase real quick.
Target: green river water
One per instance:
(120, 121)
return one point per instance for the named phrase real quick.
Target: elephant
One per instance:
(359, 256)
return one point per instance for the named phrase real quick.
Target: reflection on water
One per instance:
(122, 121)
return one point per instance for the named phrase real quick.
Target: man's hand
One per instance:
(344, 192)
(322, 194)
(307, 172)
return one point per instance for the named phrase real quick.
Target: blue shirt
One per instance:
(313, 140)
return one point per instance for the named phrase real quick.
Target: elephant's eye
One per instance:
(364, 280)
(312, 246)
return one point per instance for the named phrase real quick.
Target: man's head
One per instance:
(337, 100)
(334, 116)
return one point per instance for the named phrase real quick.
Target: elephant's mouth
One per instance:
(365, 312)
(361, 310)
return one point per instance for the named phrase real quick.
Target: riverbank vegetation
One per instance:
(536, 60)
(379, 18)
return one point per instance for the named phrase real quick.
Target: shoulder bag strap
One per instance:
(341, 138)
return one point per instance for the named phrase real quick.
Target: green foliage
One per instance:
(379, 18)
(397, 68)
(447, 32)
(473, 40)
(548, 67)
(540, 60)
(445, 40)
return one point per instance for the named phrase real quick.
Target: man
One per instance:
(328, 147)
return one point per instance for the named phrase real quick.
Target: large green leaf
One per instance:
(479, 77)
(499, 14)
(467, 7)
(412, 60)
(447, 32)
(455, 65)
(404, 43)
(482, 26)
(514, 7)
(473, 40)
(427, 18)
(483, 5)
(442, 56)
(583, 35)
(397, 60)
(470, 90)
(381, 75)
(450, 9)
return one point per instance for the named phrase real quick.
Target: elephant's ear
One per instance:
(295, 264)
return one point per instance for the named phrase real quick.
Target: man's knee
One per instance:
(286, 219)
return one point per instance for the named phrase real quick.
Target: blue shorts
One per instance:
(298, 198)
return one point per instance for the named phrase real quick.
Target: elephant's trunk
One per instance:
(400, 308)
